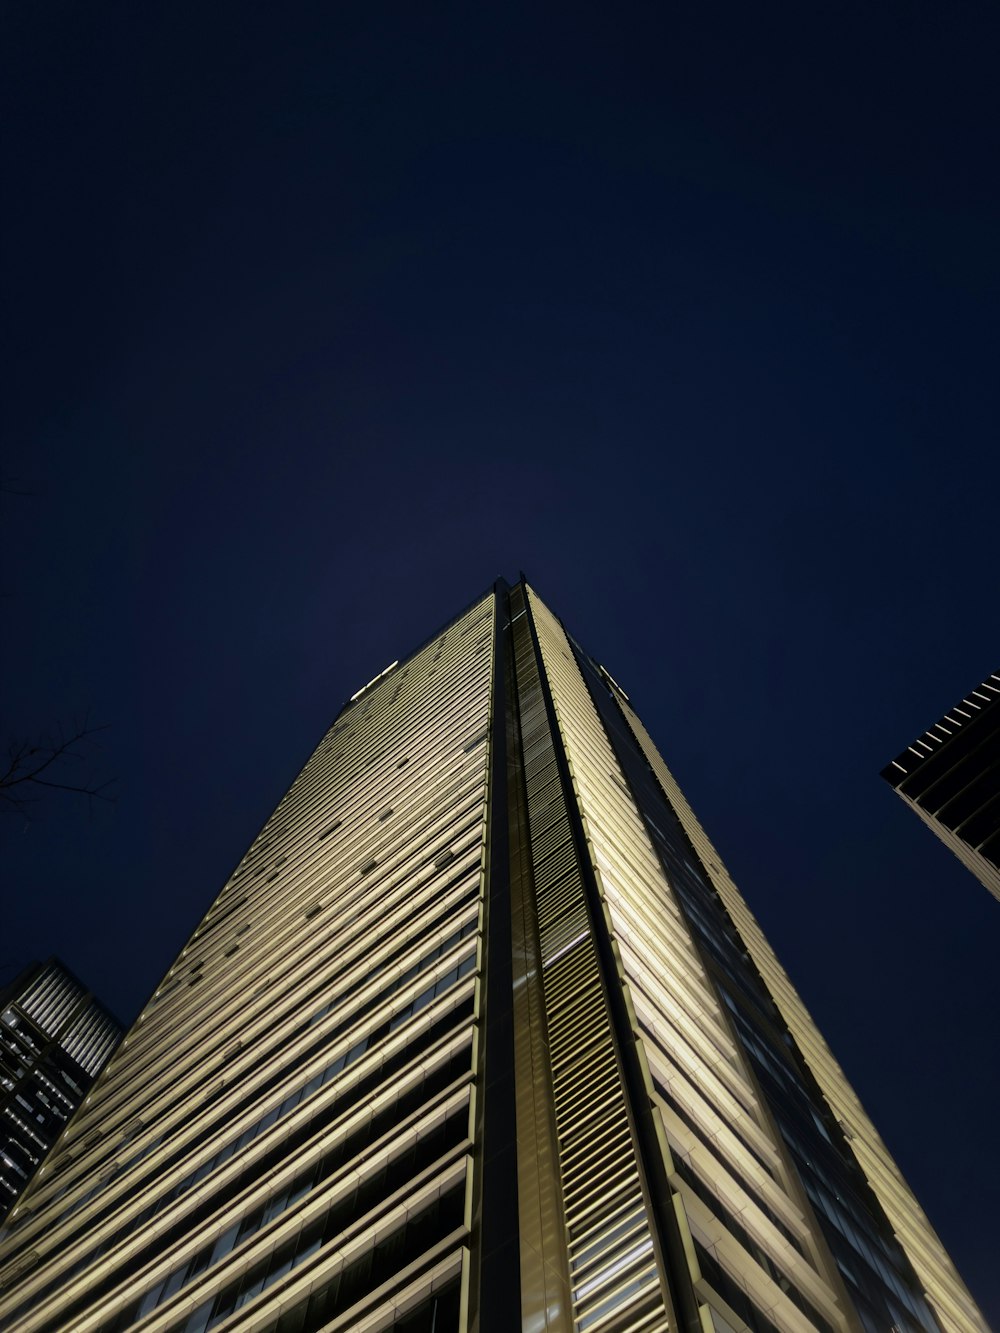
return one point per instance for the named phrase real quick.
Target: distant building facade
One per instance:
(478, 1037)
(951, 777)
(55, 1038)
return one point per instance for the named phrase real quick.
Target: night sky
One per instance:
(318, 318)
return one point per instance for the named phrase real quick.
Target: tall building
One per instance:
(54, 1040)
(951, 777)
(479, 1035)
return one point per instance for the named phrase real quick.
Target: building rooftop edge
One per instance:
(966, 711)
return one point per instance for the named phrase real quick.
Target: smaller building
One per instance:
(951, 777)
(55, 1038)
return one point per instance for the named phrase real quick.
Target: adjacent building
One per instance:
(951, 777)
(478, 1035)
(54, 1040)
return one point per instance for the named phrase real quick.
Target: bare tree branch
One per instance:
(46, 763)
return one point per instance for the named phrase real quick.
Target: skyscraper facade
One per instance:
(54, 1040)
(479, 1035)
(950, 776)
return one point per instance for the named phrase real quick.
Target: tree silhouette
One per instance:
(53, 761)
(58, 762)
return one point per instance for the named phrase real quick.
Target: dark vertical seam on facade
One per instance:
(682, 1303)
(553, 1256)
(496, 1300)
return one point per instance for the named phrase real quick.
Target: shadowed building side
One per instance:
(950, 776)
(55, 1038)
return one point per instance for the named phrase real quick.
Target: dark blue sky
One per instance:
(317, 319)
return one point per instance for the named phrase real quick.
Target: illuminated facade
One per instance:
(479, 1035)
(54, 1040)
(951, 777)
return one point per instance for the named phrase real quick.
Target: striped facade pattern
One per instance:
(679, 1028)
(614, 1278)
(63, 1010)
(55, 1037)
(284, 1140)
(479, 1035)
(953, 1306)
